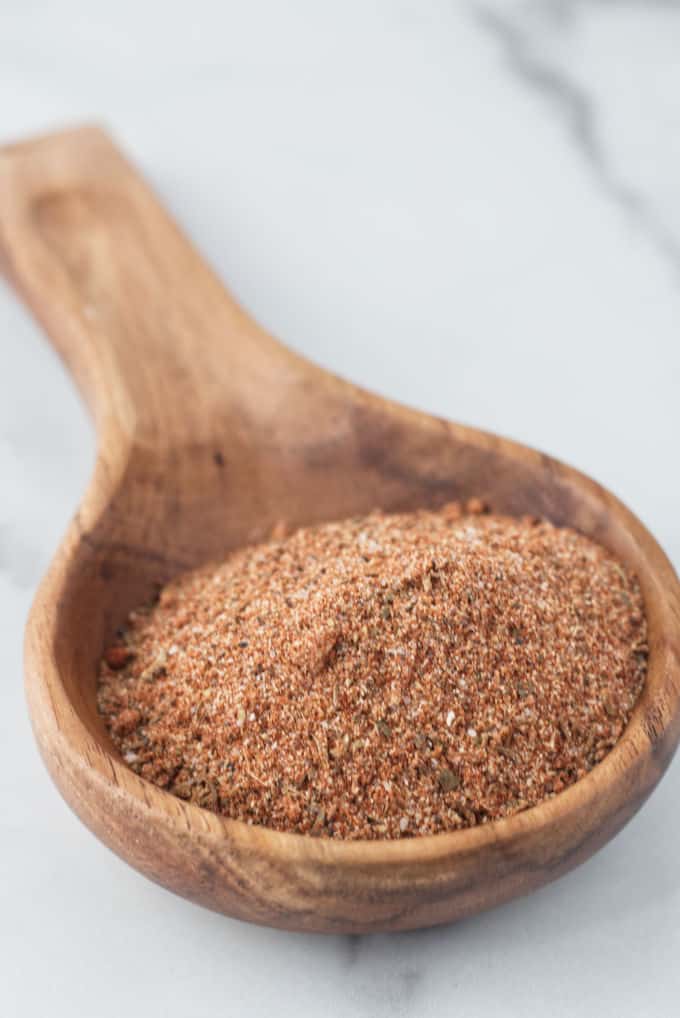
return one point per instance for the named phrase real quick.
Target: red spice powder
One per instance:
(382, 677)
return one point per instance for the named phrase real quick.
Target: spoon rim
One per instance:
(659, 698)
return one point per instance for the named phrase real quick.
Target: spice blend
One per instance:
(384, 676)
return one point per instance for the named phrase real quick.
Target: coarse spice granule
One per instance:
(384, 676)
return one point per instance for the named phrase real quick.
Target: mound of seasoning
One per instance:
(382, 677)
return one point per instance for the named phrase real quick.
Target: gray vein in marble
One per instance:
(392, 987)
(352, 944)
(579, 116)
(410, 979)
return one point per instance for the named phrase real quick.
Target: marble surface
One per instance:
(472, 207)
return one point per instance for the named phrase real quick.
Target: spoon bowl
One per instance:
(209, 434)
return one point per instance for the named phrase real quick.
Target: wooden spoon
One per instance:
(209, 433)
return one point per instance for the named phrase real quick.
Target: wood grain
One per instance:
(209, 432)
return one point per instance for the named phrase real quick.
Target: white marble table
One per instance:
(471, 207)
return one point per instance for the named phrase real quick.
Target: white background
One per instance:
(470, 207)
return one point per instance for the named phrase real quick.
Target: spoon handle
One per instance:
(143, 323)
(196, 407)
